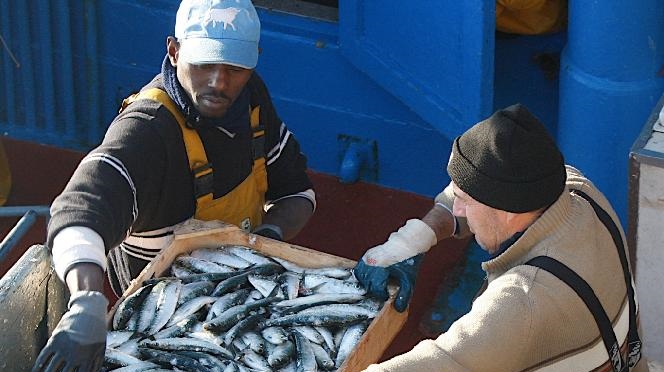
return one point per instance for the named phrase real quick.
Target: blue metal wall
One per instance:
(43, 47)
(395, 80)
(333, 81)
(358, 81)
(65, 66)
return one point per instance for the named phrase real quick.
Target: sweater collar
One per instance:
(517, 250)
(235, 120)
(506, 244)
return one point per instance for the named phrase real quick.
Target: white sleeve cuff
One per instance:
(456, 224)
(77, 244)
(308, 194)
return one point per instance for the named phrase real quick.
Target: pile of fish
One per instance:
(234, 309)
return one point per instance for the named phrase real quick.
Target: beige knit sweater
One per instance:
(527, 319)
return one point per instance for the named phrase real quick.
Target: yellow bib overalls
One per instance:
(242, 206)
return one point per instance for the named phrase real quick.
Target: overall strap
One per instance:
(634, 342)
(586, 293)
(258, 131)
(198, 162)
(258, 96)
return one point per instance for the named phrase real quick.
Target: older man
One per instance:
(559, 293)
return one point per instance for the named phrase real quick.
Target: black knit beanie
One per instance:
(508, 162)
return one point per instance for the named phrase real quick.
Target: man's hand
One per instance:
(399, 257)
(374, 279)
(78, 343)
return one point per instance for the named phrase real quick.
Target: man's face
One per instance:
(488, 224)
(211, 87)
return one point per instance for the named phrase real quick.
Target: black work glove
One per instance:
(78, 343)
(269, 231)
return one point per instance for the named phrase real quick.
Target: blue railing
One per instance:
(30, 214)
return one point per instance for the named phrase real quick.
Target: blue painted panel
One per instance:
(78, 60)
(526, 71)
(437, 59)
(321, 96)
(610, 81)
(131, 55)
(37, 59)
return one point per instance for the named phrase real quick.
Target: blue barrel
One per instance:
(610, 79)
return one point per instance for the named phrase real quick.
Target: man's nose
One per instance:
(458, 208)
(218, 78)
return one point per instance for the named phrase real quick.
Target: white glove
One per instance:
(411, 239)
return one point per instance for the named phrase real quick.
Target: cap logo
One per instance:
(226, 16)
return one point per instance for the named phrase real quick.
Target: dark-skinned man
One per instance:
(201, 140)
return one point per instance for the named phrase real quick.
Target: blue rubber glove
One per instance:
(399, 257)
(374, 279)
(78, 343)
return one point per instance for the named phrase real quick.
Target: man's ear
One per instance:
(172, 48)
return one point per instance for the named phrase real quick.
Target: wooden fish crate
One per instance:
(198, 234)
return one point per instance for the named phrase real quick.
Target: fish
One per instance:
(128, 306)
(254, 360)
(236, 313)
(218, 255)
(289, 283)
(314, 320)
(254, 341)
(231, 283)
(241, 326)
(210, 362)
(248, 255)
(328, 338)
(227, 301)
(323, 359)
(116, 338)
(317, 299)
(201, 266)
(339, 309)
(190, 308)
(172, 360)
(186, 343)
(166, 303)
(189, 291)
(119, 358)
(190, 278)
(305, 360)
(310, 333)
(265, 284)
(138, 367)
(332, 272)
(178, 329)
(280, 354)
(350, 339)
(324, 284)
(147, 310)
